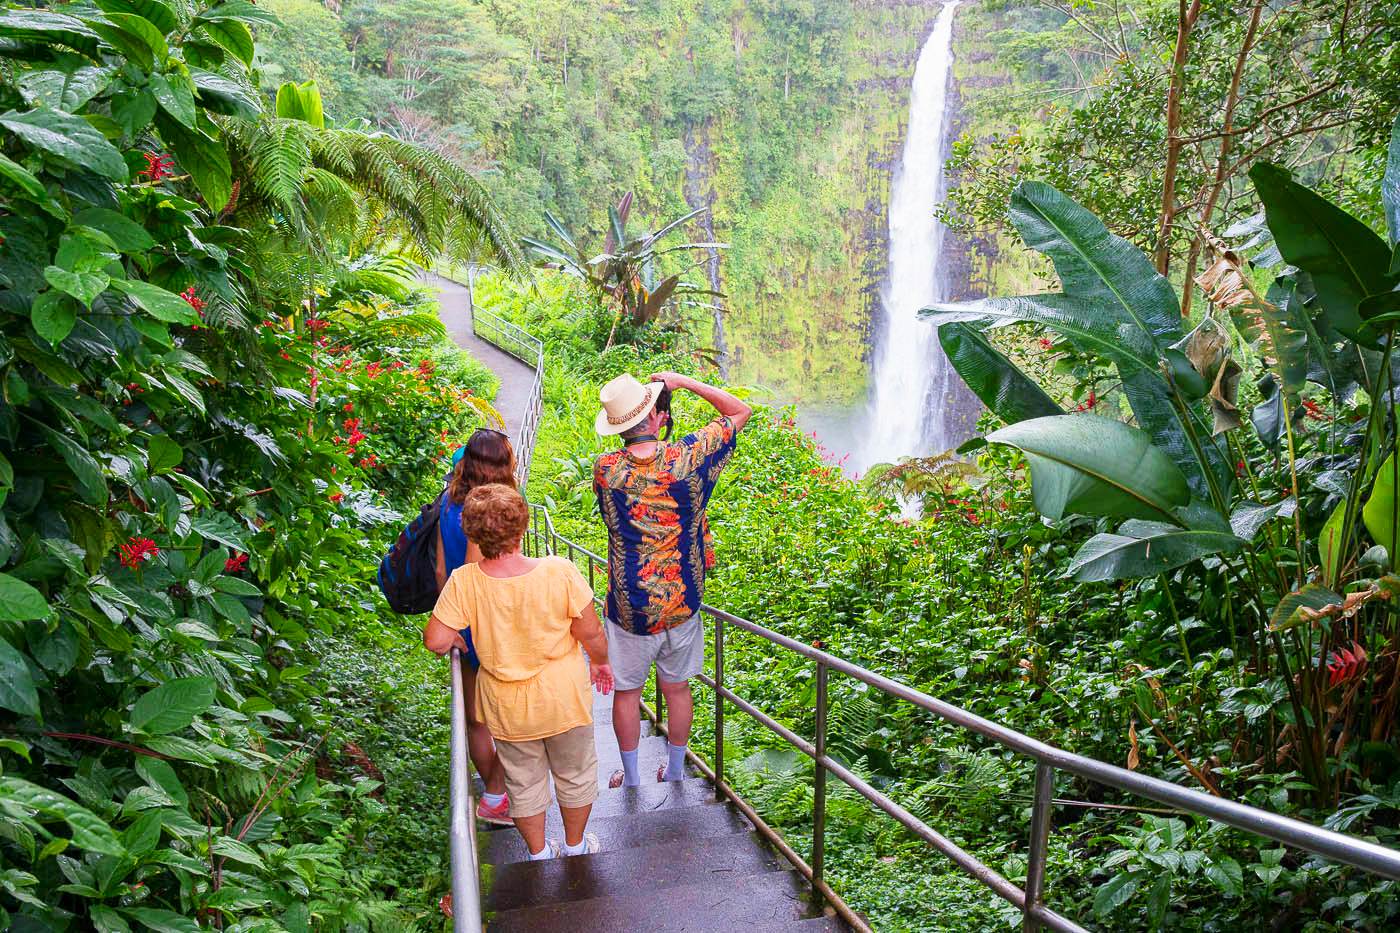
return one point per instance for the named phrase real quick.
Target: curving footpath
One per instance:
(517, 378)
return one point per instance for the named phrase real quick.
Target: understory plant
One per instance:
(1280, 531)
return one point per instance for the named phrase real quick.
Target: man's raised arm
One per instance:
(727, 404)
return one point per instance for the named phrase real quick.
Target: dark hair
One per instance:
(495, 517)
(488, 458)
(663, 404)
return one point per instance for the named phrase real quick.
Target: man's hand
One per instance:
(602, 677)
(724, 402)
(673, 381)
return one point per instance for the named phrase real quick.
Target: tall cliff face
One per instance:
(806, 262)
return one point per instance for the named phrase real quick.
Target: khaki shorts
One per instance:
(678, 652)
(570, 756)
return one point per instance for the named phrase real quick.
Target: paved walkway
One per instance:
(516, 377)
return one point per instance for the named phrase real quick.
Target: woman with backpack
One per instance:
(487, 458)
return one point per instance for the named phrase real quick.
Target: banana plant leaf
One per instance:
(1249, 517)
(1152, 403)
(1345, 259)
(1330, 546)
(1289, 611)
(1093, 264)
(1091, 324)
(993, 378)
(1145, 549)
(1390, 193)
(1089, 465)
(1380, 511)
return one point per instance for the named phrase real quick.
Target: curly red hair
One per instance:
(495, 517)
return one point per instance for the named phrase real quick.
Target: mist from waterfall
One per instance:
(912, 382)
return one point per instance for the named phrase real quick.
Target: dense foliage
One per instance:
(197, 464)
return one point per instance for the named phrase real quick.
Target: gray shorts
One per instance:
(678, 652)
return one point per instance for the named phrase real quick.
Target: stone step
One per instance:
(629, 830)
(720, 903)
(628, 871)
(666, 795)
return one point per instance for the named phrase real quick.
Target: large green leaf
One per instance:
(240, 10)
(301, 102)
(53, 315)
(1092, 324)
(157, 13)
(66, 89)
(1145, 549)
(127, 234)
(221, 95)
(173, 705)
(17, 691)
(1330, 546)
(20, 602)
(1096, 466)
(993, 378)
(50, 28)
(89, 831)
(1094, 264)
(157, 302)
(1380, 511)
(91, 484)
(135, 36)
(233, 36)
(175, 94)
(68, 138)
(1344, 257)
(1390, 188)
(1152, 402)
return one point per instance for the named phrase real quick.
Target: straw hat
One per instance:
(626, 403)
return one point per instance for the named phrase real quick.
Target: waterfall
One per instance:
(912, 384)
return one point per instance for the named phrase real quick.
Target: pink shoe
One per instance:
(498, 815)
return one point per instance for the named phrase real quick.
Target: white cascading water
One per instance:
(912, 381)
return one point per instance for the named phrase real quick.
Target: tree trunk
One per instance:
(1186, 21)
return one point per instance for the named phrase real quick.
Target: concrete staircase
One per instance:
(672, 859)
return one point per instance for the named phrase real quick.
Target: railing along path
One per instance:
(541, 538)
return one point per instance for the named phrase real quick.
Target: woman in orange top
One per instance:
(527, 618)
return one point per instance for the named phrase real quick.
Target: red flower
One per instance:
(373, 369)
(236, 564)
(1046, 343)
(336, 497)
(158, 166)
(193, 300)
(426, 367)
(349, 406)
(137, 550)
(315, 324)
(352, 424)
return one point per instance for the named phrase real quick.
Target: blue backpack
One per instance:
(408, 573)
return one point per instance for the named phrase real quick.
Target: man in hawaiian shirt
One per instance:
(653, 497)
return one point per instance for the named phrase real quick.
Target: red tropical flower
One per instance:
(137, 550)
(158, 166)
(236, 564)
(336, 497)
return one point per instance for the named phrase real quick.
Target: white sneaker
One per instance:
(590, 844)
(551, 850)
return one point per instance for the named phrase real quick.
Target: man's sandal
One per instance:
(616, 778)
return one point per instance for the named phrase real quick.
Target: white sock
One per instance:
(542, 854)
(576, 850)
(493, 800)
(675, 762)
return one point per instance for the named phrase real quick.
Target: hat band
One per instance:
(621, 419)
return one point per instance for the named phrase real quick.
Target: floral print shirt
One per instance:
(659, 543)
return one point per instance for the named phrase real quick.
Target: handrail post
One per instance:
(819, 784)
(719, 707)
(1040, 838)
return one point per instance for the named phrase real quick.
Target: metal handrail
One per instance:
(466, 873)
(529, 349)
(1339, 847)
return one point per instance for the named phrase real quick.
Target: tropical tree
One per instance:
(1183, 483)
(624, 275)
(346, 190)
